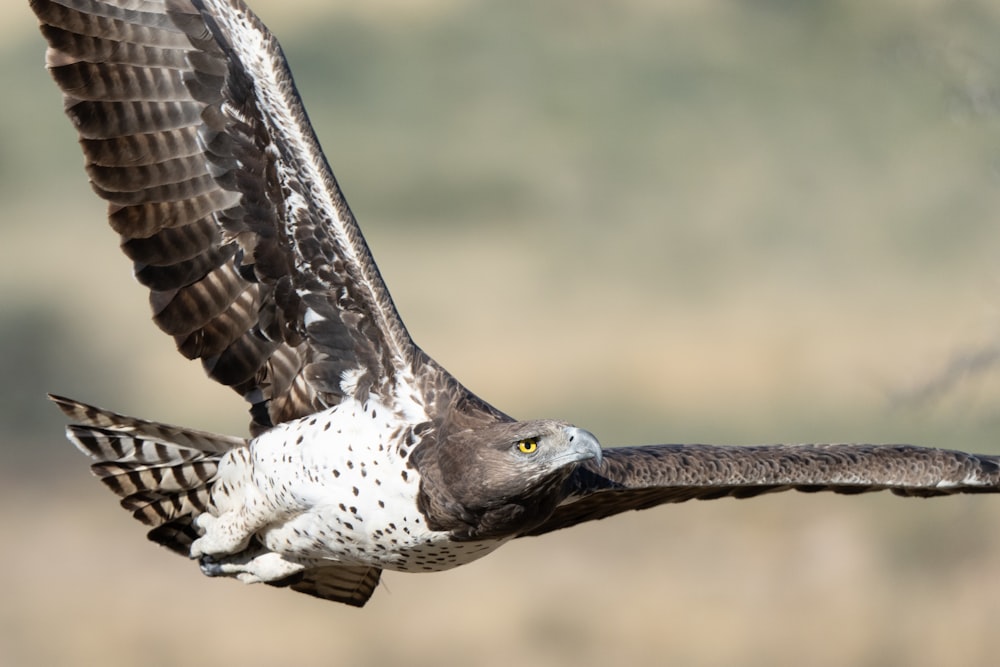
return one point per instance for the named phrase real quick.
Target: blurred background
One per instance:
(697, 221)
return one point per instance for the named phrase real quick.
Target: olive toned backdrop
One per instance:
(696, 221)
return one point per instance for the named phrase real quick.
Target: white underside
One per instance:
(332, 488)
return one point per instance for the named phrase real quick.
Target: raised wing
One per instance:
(635, 478)
(195, 135)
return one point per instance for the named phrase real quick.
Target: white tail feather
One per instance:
(162, 473)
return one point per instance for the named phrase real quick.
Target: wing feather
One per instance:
(635, 478)
(195, 135)
(350, 585)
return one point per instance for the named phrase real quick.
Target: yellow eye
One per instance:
(527, 446)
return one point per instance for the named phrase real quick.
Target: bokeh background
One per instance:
(695, 221)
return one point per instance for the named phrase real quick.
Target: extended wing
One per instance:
(195, 135)
(635, 478)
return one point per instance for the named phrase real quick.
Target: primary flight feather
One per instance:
(363, 453)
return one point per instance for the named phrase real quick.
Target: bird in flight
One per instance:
(363, 454)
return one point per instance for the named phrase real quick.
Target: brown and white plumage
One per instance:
(364, 454)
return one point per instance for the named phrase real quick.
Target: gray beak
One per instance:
(584, 444)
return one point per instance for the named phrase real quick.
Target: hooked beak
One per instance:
(584, 445)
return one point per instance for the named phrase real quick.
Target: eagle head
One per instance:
(500, 479)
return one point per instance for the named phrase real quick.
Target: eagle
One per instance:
(363, 454)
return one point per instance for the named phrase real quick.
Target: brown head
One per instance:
(499, 479)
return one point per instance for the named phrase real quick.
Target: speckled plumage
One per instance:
(345, 480)
(363, 453)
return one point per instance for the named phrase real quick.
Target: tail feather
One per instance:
(126, 446)
(178, 536)
(128, 477)
(155, 509)
(176, 436)
(163, 474)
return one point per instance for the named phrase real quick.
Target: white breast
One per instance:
(338, 486)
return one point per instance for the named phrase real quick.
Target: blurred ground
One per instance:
(666, 222)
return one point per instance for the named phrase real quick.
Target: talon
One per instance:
(210, 567)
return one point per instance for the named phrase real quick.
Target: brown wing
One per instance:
(350, 585)
(195, 135)
(635, 478)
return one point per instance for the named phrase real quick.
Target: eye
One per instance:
(527, 446)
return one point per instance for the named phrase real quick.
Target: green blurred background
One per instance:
(694, 221)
